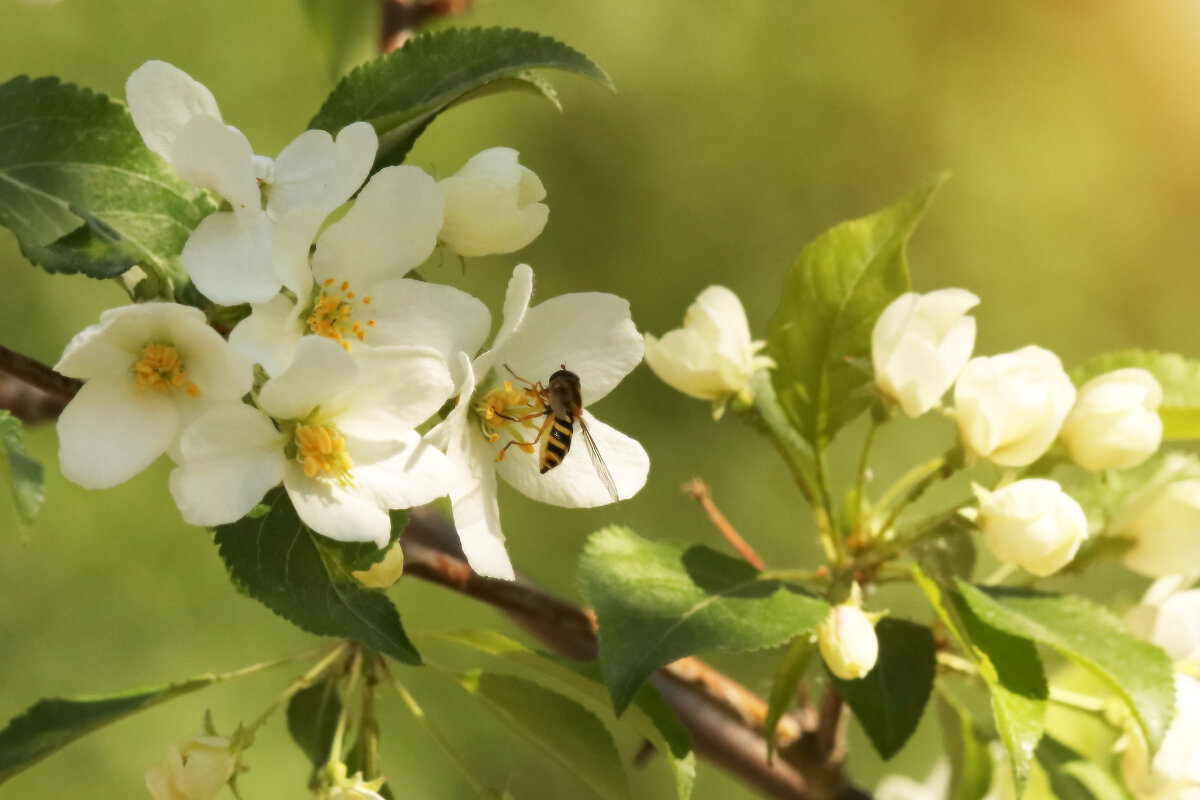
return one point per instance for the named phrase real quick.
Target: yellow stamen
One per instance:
(161, 369)
(333, 315)
(322, 451)
(495, 437)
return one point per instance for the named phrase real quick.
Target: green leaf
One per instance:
(355, 556)
(1073, 777)
(81, 191)
(890, 699)
(402, 92)
(657, 602)
(1010, 667)
(347, 31)
(312, 716)
(299, 575)
(649, 714)
(1180, 379)
(1091, 636)
(970, 761)
(28, 489)
(49, 725)
(563, 729)
(832, 297)
(783, 689)
(948, 555)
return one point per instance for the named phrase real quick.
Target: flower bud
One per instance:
(1115, 422)
(711, 357)
(1033, 524)
(492, 205)
(1169, 617)
(920, 344)
(384, 572)
(195, 769)
(1163, 520)
(848, 642)
(1011, 406)
(1174, 772)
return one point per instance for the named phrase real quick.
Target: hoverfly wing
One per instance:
(598, 461)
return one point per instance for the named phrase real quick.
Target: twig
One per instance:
(699, 491)
(37, 375)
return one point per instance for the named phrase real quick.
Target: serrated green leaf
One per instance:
(649, 714)
(657, 602)
(831, 298)
(402, 92)
(1073, 777)
(49, 725)
(563, 729)
(1091, 636)
(312, 716)
(1010, 667)
(347, 31)
(81, 191)
(299, 575)
(25, 474)
(1179, 377)
(970, 761)
(890, 699)
(783, 689)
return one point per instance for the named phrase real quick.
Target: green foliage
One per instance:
(1180, 379)
(560, 727)
(970, 761)
(658, 602)
(347, 31)
(1089, 635)
(299, 575)
(832, 297)
(81, 191)
(312, 716)
(1073, 777)
(788, 675)
(49, 725)
(890, 699)
(948, 555)
(356, 556)
(1010, 667)
(402, 92)
(28, 489)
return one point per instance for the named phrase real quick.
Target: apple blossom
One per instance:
(711, 357)
(1169, 617)
(1174, 771)
(195, 769)
(1032, 523)
(935, 787)
(492, 205)
(593, 335)
(1115, 422)
(239, 255)
(847, 640)
(1011, 406)
(149, 369)
(1163, 521)
(920, 344)
(340, 435)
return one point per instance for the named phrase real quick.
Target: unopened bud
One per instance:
(848, 642)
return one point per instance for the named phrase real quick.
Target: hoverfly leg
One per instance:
(522, 444)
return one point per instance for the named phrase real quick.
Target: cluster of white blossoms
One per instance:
(333, 381)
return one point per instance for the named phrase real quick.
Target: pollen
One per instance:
(161, 369)
(322, 451)
(334, 314)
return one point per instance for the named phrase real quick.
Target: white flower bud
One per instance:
(1163, 520)
(1174, 772)
(1011, 406)
(384, 572)
(492, 205)
(1169, 618)
(920, 344)
(848, 642)
(711, 357)
(1033, 524)
(195, 769)
(1115, 422)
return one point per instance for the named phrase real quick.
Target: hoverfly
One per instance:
(562, 401)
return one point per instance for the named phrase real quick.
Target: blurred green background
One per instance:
(739, 132)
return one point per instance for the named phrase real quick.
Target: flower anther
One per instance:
(333, 314)
(161, 369)
(322, 451)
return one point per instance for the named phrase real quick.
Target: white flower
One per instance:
(1011, 406)
(711, 357)
(149, 370)
(492, 205)
(935, 787)
(1169, 616)
(1115, 422)
(847, 639)
(1174, 772)
(195, 769)
(355, 788)
(920, 345)
(345, 447)
(363, 299)
(238, 256)
(384, 572)
(593, 335)
(1032, 523)
(1163, 520)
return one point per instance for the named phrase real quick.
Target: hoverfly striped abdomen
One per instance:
(558, 442)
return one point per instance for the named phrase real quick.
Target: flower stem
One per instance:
(1077, 701)
(915, 483)
(699, 491)
(339, 733)
(303, 682)
(864, 466)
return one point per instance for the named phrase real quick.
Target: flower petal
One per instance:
(473, 501)
(391, 229)
(316, 171)
(216, 156)
(575, 483)
(231, 456)
(112, 430)
(229, 258)
(398, 389)
(291, 243)
(162, 99)
(320, 370)
(516, 306)
(220, 372)
(401, 473)
(409, 312)
(114, 343)
(335, 511)
(270, 334)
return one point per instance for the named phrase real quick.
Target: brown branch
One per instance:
(699, 491)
